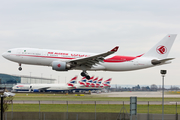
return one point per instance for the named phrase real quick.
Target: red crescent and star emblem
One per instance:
(59, 65)
(161, 49)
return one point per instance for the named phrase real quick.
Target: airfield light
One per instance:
(163, 72)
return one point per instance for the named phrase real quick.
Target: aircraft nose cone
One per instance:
(4, 55)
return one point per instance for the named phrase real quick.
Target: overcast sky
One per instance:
(91, 26)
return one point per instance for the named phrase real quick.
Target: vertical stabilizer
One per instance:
(107, 83)
(162, 48)
(83, 81)
(73, 80)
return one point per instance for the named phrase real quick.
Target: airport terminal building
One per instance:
(8, 81)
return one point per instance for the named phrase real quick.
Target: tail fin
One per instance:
(95, 80)
(88, 82)
(99, 82)
(93, 84)
(83, 81)
(107, 83)
(162, 48)
(73, 80)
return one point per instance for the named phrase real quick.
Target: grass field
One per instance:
(156, 109)
(86, 97)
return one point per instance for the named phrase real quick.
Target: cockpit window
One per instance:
(9, 51)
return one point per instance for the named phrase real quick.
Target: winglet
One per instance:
(115, 49)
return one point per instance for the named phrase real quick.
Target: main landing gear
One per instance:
(85, 74)
(20, 68)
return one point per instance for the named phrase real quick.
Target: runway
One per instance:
(92, 102)
(138, 94)
(157, 94)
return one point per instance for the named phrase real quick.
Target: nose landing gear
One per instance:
(20, 68)
(85, 74)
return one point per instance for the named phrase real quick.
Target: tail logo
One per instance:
(161, 49)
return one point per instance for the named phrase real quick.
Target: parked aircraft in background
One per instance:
(46, 87)
(69, 87)
(83, 81)
(107, 82)
(93, 84)
(67, 60)
(89, 86)
(98, 84)
(89, 82)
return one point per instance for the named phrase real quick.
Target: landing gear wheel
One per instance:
(88, 77)
(20, 68)
(83, 74)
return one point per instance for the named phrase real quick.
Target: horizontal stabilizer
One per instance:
(163, 61)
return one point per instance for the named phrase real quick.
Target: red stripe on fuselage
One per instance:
(43, 56)
(118, 58)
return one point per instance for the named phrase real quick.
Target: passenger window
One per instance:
(9, 51)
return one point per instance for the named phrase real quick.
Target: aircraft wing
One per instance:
(92, 60)
(44, 88)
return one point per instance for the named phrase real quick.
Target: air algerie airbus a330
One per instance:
(67, 60)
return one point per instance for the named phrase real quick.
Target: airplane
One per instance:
(84, 84)
(46, 87)
(69, 60)
(89, 82)
(93, 84)
(99, 82)
(107, 83)
(83, 81)
(88, 86)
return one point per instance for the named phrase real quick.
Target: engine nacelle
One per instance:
(36, 90)
(155, 62)
(60, 66)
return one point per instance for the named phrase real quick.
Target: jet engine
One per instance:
(60, 66)
(36, 90)
(155, 62)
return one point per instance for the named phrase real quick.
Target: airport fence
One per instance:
(90, 110)
(84, 116)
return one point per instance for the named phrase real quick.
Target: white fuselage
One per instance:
(45, 57)
(42, 87)
(86, 88)
(50, 87)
